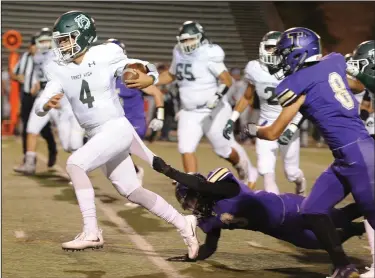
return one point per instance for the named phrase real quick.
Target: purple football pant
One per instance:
(139, 125)
(351, 172)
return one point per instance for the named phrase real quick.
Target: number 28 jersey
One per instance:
(197, 74)
(265, 85)
(90, 86)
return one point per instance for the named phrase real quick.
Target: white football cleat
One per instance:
(26, 169)
(85, 240)
(190, 236)
(370, 273)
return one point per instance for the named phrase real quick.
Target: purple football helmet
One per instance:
(119, 43)
(297, 47)
(192, 200)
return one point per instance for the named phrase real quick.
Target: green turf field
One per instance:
(41, 212)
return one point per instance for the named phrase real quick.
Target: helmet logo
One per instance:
(294, 39)
(371, 55)
(83, 21)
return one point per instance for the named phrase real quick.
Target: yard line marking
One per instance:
(137, 239)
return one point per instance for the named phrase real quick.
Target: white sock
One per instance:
(30, 157)
(85, 196)
(370, 236)
(270, 183)
(86, 201)
(158, 206)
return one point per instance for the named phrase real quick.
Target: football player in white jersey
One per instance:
(86, 77)
(203, 80)
(363, 60)
(258, 74)
(69, 131)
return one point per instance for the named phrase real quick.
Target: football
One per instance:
(130, 73)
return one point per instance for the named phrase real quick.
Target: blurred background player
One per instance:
(314, 83)
(69, 131)
(203, 80)
(25, 73)
(259, 77)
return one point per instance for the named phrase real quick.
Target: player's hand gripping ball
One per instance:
(130, 73)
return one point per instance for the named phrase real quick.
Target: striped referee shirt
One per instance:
(25, 66)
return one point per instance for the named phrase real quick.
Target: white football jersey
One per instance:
(197, 74)
(90, 86)
(40, 61)
(265, 85)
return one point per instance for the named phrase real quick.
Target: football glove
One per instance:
(352, 70)
(157, 123)
(250, 131)
(213, 102)
(228, 129)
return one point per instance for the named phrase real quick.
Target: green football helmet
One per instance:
(267, 47)
(364, 57)
(73, 33)
(191, 36)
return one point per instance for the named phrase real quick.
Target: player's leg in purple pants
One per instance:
(355, 166)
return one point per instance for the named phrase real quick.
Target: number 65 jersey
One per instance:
(265, 85)
(90, 85)
(197, 74)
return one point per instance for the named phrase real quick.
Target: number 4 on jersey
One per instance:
(86, 90)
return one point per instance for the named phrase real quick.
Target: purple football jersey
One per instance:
(132, 100)
(250, 210)
(329, 103)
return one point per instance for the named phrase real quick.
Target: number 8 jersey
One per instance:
(265, 85)
(197, 74)
(90, 85)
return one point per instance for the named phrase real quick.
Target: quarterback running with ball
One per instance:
(86, 77)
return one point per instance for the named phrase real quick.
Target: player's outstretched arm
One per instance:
(206, 250)
(223, 188)
(210, 245)
(274, 131)
(50, 98)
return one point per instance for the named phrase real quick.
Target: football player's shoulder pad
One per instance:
(215, 53)
(107, 52)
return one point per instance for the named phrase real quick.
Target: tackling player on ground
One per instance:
(221, 201)
(86, 76)
(318, 88)
(259, 77)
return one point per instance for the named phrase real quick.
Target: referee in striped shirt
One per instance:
(23, 73)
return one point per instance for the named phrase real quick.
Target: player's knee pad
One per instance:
(223, 151)
(186, 148)
(75, 159)
(292, 173)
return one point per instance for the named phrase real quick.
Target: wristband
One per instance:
(235, 115)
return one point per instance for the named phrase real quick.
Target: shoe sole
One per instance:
(82, 249)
